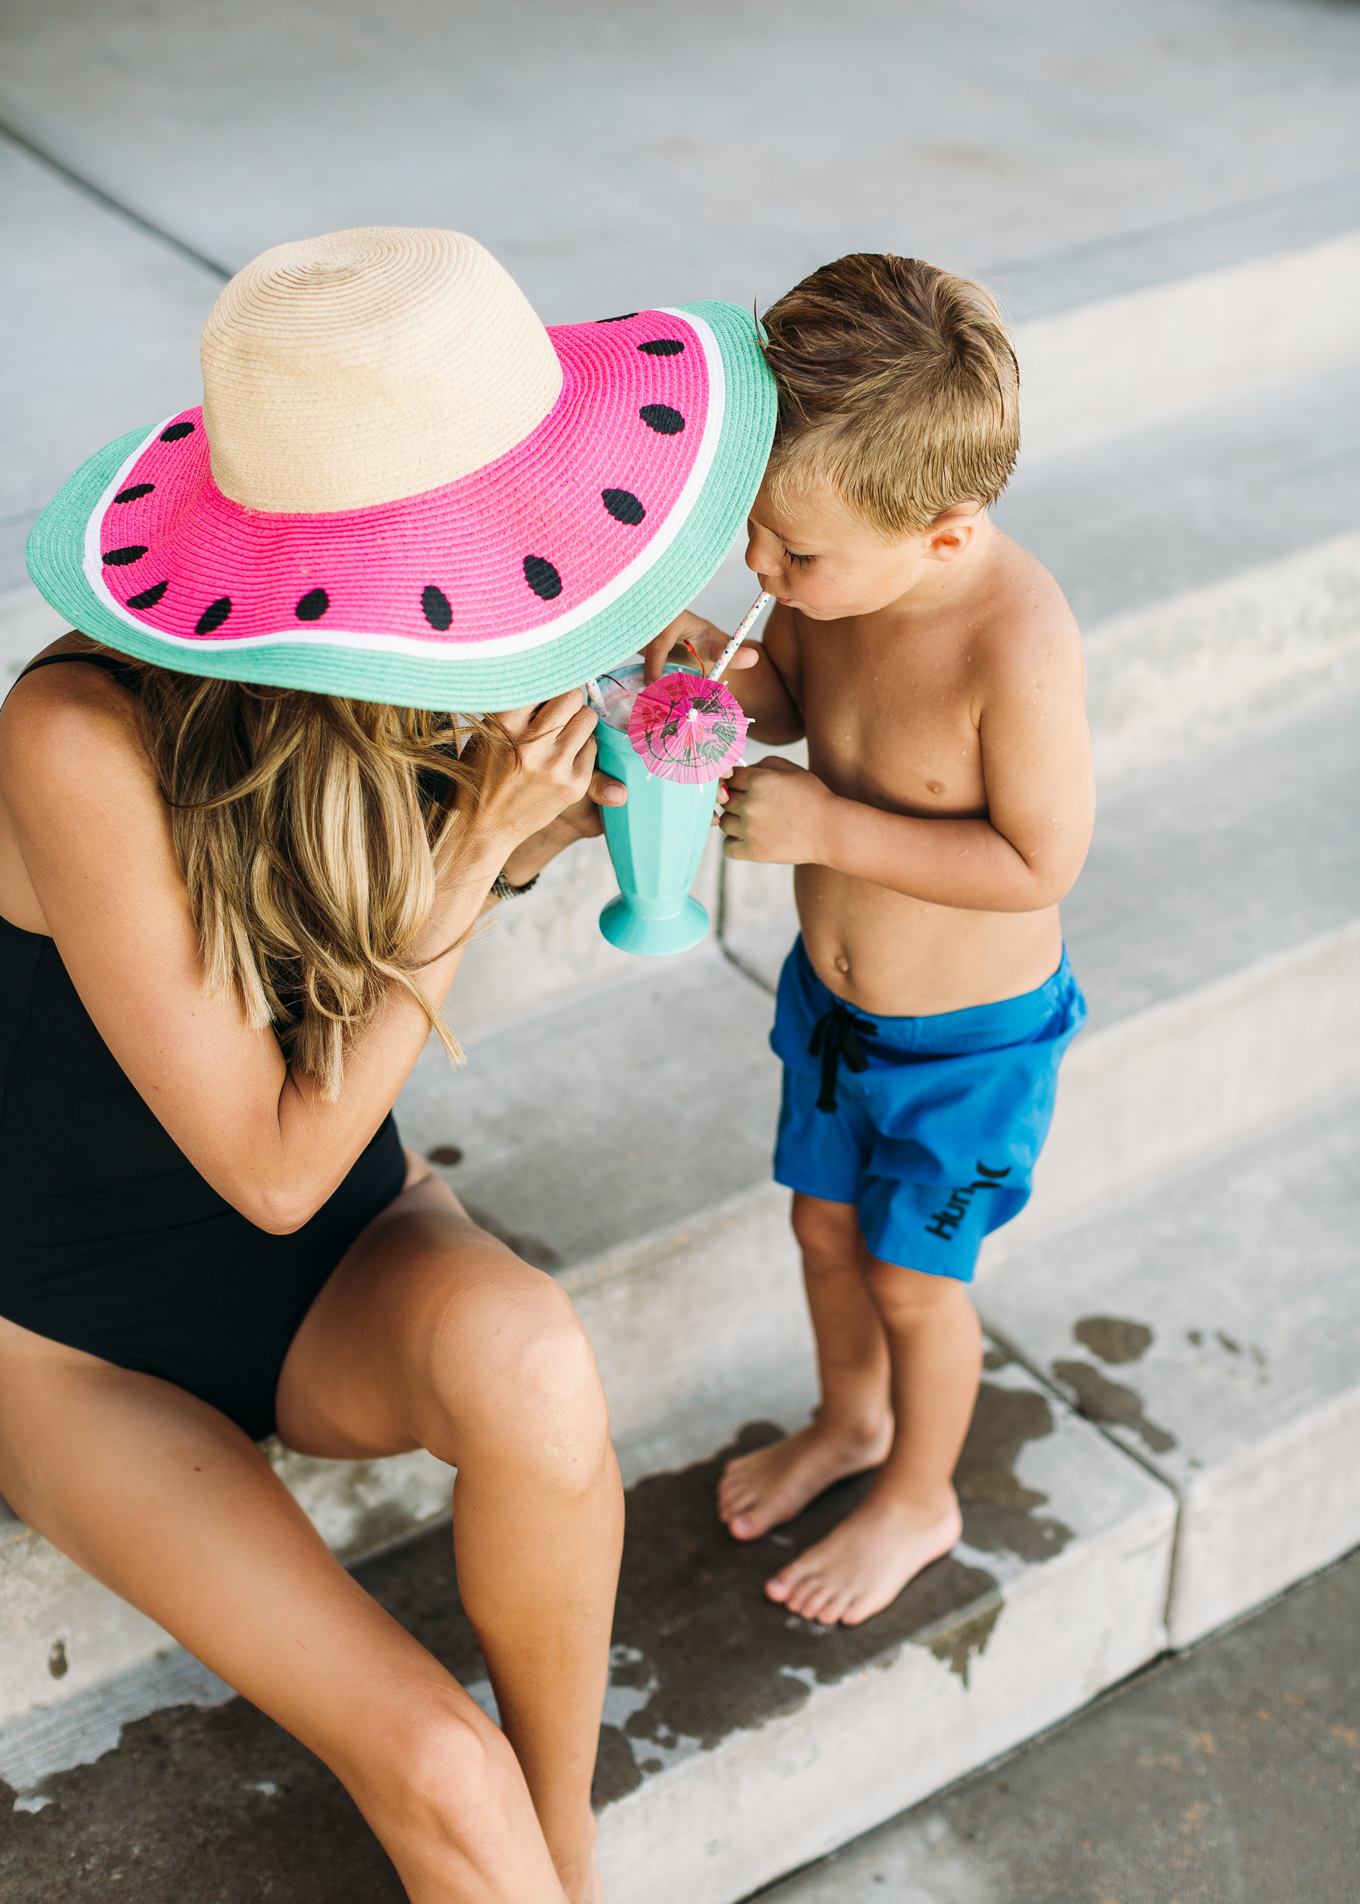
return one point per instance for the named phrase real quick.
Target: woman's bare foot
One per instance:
(762, 1490)
(863, 1565)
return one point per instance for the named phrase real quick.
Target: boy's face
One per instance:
(816, 555)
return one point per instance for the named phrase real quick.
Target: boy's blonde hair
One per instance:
(897, 385)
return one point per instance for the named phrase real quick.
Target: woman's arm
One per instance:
(93, 835)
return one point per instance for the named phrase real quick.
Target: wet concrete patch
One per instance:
(1111, 1404)
(998, 1511)
(962, 1644)
(222, 1804)
(194, 1805)
(1113, 1339)
(701, 1653)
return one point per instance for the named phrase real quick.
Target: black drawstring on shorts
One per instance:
(836, 1039)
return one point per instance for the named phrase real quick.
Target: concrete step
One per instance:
(1120, 331)
(1211, 1329)
(1215, 934)
(1212, 559)
(1253, 598)
(740, 1741)
(1127, 1483)
(1229, 1772)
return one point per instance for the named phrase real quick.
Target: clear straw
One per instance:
(748, 622)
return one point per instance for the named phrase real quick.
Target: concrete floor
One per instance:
(1228, 1776)
(609, 153)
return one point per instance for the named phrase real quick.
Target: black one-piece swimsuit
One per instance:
(111, 1241)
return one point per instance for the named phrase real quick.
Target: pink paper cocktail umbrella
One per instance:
(686, 728)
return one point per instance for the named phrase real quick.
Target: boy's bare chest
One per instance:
(892, 729)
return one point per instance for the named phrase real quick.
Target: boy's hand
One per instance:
(776, 812)
(707, 638)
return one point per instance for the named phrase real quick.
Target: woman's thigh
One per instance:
(431, 1333)
(168, 1503)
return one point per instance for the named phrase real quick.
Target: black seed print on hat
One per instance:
(661, 417)
(119, 558)
(542, 577)
(313, 605)
(176, 431)
(137, 489)
(438, 610)
(149, 596)
(663, 347)
(213, 615)
(623, 506)
(616, 320)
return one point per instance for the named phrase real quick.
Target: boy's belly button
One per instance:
(842, 964)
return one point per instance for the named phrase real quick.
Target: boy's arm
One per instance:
(1022, 857)
(764, 676)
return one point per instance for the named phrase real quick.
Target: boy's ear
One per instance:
(950, 534)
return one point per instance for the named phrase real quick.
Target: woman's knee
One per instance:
(449, 1774)
(517, 1370)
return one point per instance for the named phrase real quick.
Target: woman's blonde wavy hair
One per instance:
(307, 827)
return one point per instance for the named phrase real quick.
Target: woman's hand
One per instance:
(580, 821)
(519, 798)
(705, 637)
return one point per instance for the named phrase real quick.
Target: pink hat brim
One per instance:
(507, 556)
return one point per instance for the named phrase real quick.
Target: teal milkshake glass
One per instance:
(656, 841)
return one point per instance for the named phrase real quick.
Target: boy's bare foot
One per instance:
(863, 1564)
(762, 1490)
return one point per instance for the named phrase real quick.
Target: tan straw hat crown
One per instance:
(368, 366)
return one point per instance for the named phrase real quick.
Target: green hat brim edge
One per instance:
(446, 683)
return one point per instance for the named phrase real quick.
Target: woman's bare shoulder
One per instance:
(79, 705)
(73, 767)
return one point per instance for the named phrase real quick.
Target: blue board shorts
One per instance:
(931, 1126)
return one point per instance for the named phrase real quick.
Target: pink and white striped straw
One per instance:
(748, 622)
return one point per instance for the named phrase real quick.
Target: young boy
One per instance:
(936, 672)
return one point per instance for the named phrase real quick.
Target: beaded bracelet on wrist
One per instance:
(502, 889)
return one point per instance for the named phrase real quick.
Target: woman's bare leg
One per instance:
(383, 1362)
(163, 1499)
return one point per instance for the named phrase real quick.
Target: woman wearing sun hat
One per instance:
(241, 846)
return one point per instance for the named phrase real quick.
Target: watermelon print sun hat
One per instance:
(401, 487)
